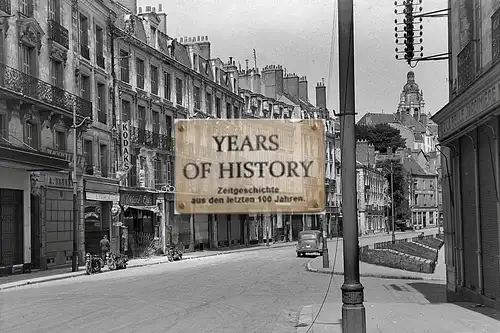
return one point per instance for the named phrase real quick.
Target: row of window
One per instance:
(163, 172)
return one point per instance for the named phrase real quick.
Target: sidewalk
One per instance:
(369, 270)
(18, 280)
(405, 317)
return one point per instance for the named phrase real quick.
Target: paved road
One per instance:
(258, 291)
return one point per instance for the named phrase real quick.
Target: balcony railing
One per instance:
(19, 82)
(58, 33)
(150, 139)
(5, 6)
(85, 51)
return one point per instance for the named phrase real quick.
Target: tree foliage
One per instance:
(401, 205)
(381, 136)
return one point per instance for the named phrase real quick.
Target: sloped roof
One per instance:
(411, 166)
(372, 119)
(410, 121)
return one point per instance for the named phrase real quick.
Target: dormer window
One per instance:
(153, 37)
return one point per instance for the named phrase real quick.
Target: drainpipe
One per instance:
(458, 214)
(478, 215)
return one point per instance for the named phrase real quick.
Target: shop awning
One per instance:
(30, 160)
(153, 209)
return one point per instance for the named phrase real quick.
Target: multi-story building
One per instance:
(92, 59)
(261, 93)
(468, 134)
(273, 94)
(371, 190)
(40, 89)
(333, 195)
(159, 79)
(423, 194)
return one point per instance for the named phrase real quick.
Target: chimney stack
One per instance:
(321, 95)
(303, 95)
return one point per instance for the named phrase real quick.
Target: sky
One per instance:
(297, 34)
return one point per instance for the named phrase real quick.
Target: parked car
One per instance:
(310, 241)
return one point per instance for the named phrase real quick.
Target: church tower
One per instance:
(411, 101)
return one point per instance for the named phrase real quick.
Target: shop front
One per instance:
(468, 134)
(21, 234)
(100, 196)
(141, 218)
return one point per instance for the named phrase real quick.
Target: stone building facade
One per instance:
(468, 135)
(45, 54)
(161, 79)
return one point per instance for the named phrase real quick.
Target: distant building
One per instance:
(410, 119)
(423, 194)
(371, 191)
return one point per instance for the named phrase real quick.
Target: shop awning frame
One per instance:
(153, 209)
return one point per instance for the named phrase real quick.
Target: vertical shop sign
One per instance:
(125, 140)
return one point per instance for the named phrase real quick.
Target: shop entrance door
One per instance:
(11, 227)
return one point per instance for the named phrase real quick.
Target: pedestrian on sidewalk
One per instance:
(105, 246)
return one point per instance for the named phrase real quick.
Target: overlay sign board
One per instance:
(249, 166)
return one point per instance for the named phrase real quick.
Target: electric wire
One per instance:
(342, 119)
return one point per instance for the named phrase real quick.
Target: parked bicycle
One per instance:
(116, 261)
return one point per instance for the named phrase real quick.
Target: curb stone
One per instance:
(380, 276)
(305, 319)
(33, 281)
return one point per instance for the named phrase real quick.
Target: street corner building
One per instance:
(469, 138)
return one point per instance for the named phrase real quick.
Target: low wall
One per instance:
(382, 255)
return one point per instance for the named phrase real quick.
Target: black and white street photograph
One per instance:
(249, 166)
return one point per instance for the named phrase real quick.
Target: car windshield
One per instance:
(308, 236)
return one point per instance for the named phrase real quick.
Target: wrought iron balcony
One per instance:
(5, 6)
(150, 139)
(85, 51)
(58, 33)
(15, 81)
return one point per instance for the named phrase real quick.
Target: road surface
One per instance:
(257, 291)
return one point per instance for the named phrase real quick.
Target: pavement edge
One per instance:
(380, 276)
(23, 283)
(305, 319)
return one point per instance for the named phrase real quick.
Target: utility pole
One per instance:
(353, 310)
(74, 260)
(392, 203)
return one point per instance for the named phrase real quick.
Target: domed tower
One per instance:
(411, 100)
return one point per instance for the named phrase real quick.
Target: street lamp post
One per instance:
(353, 310)
(74, 260)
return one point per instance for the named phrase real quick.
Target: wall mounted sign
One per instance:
(68, 156)
(249, 166)
(136, 199)
(125, 141)
(58, 181)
